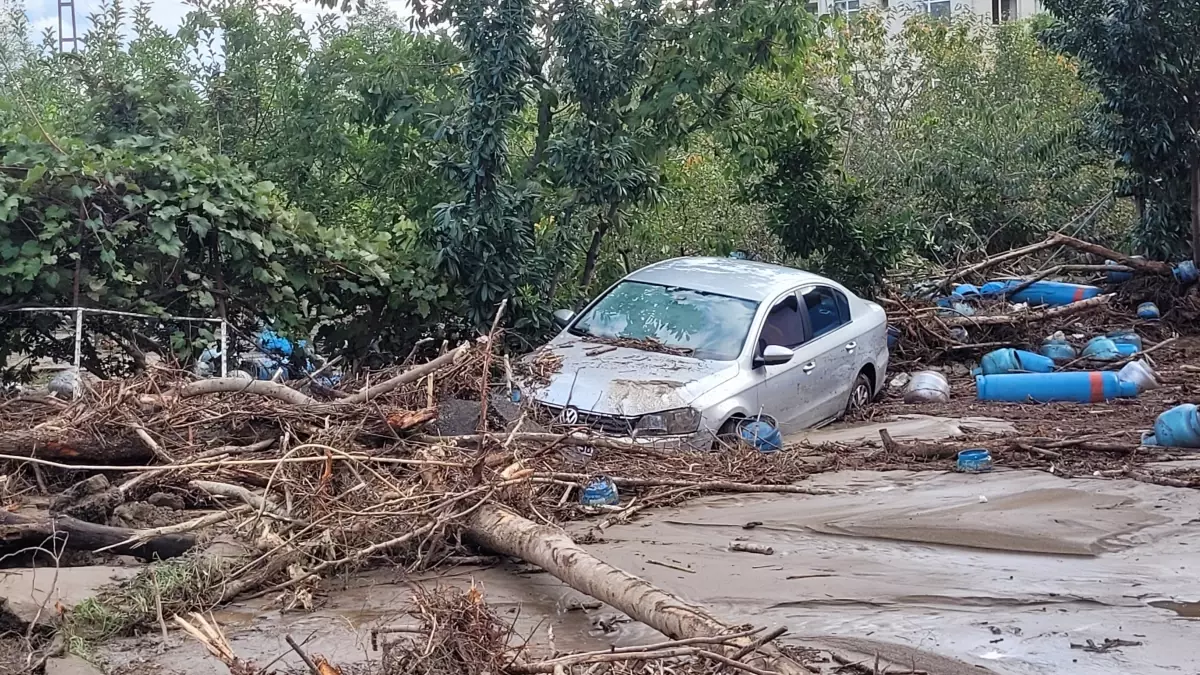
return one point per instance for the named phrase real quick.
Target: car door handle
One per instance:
(808, 367)
(851, 346)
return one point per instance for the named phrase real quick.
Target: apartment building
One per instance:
(996, 10)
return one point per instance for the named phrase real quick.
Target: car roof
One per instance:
(727, 276)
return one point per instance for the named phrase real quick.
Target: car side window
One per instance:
(827, 309)
(784, 326)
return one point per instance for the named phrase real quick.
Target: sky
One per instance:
(167, 13)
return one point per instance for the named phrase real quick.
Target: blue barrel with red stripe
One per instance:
(1054, 293)
(1092, 387)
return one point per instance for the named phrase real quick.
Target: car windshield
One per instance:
(703, 325)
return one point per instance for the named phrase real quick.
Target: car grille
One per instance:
(614, 425)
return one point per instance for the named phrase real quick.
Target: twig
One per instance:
(672, 566)
(759, 642)
(485, 377)
(303, 657)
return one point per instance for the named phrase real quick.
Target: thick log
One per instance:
(51, 532)
(552, 550)
(69, 445)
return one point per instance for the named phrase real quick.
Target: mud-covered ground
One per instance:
(1001, 572)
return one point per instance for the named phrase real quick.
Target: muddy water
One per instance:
(947, 572)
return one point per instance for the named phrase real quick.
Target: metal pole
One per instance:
(78, 388)
(224, 349)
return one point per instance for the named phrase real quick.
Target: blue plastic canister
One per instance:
(1148, 311)
(966, 290)
(1049, 387)
(1102, 349)
(601, 491)
(1185, 272)
(993, 288)
(1126, 337)
(762, 436)
(1117, 276)
(1059, 350)
(893, 337)
(1054, 293)
(975, 460)
(1013, 361)
(1178, 427)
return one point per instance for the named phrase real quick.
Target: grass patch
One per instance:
(186, 584)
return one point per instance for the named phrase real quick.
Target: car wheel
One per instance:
(860, 395)
(728, 436)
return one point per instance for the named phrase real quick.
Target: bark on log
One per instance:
(70, 445)
(552, 550)
(49, 532)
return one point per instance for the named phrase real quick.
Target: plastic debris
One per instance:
(1148, 311)
(928, 386)
(762, 436)
(1178, 427)
(1126, 337)
(1102, 349)
(1014, 361)
(1185, 272)
(1092, 387)
(1052, 293)
(975, 460)
(1140, 373)
(1057, 347)
(601, 491)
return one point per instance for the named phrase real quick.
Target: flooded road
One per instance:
(952, 573)
(922, 560)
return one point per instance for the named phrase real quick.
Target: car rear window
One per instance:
(706, 325)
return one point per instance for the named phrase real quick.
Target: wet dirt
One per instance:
(913, 566)
(919, 561)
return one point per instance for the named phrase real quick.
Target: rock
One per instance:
(70, 665)
(140, 515)
(166, 501)
(91, 500)
(900, 381)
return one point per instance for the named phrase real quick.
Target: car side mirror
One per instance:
(563, 317)
(774, 355)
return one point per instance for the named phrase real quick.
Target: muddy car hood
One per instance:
(624, 381)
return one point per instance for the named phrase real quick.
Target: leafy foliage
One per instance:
(1144, 59)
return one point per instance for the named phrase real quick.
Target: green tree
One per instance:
(1144, 58)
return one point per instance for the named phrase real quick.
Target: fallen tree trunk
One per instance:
(72, 445)
(52, 532)
(552, 550)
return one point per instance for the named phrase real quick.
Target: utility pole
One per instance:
(66, 21)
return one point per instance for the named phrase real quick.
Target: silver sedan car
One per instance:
(681, 352)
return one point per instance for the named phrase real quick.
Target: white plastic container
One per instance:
(928, 386)
(1140, 373)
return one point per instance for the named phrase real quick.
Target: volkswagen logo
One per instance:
(569, 415)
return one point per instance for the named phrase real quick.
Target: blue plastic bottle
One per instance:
(1014, 361)
(1090, 387)
(1053, 293)
(1102, 349)
(1178, 427)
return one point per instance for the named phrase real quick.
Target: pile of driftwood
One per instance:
(160, 466)
(928, 331)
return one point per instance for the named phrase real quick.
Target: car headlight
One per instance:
(669, 423)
